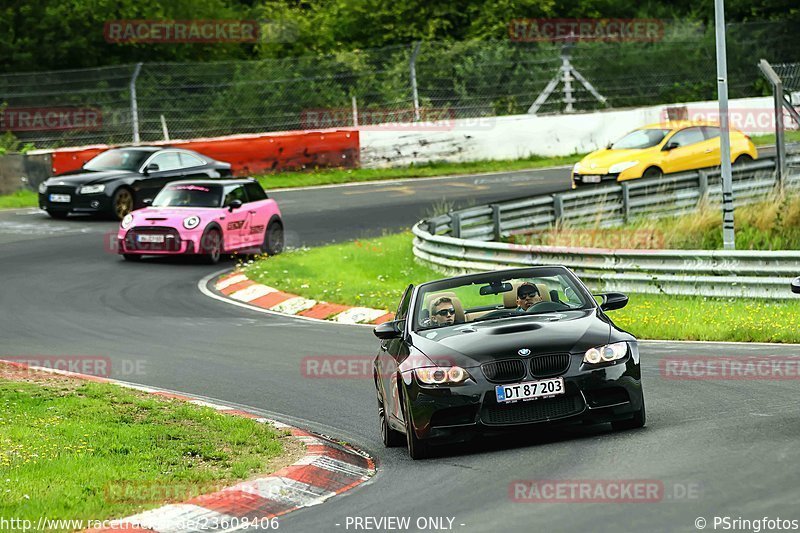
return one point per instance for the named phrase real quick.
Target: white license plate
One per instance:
(592, 179)
(529, 390)
(150, 238)
(62, 198)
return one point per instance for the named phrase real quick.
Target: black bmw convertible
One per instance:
(117, 181)
(502, 351)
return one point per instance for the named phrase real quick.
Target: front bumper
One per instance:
(593, 395)
(79, 203)
(580, 180)
(174, 243)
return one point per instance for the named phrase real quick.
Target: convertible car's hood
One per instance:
(87, 178)
(476, 343)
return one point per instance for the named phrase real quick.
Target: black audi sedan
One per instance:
(117, 181)
(503, 351)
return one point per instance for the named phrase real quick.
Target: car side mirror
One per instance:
(796, 286)
(147, 201)
(613, 300)
(388, 330)
(670, 146)
(152, 167)
(235, 204)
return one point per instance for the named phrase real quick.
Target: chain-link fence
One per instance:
(459, 79)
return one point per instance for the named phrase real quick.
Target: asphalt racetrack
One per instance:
(718, 448)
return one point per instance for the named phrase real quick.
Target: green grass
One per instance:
(375, 272)
(23, 198)
(767, 139)
(335, 176)
(773, 224)
(72, 449)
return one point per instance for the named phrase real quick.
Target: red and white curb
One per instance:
(238, 287)
(327, 469)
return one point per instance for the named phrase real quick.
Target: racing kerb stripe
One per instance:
(236, 286)
(327, 469)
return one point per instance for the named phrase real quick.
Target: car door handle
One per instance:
(253, 212)
(709, 150)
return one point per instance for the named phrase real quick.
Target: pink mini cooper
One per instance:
(208, 217)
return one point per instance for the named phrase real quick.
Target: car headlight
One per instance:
(191, 222)
(577, 167)
(92, 189)
(42, 187)
(606, 354)
(127, 221)
(622, 167)
(440, 375)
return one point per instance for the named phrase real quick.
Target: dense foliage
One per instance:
(53, 34)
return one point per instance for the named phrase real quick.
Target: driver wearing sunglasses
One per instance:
(527, 295)
(442, 312)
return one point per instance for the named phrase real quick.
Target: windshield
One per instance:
(492, 297)
(118, 159)
(189, 196)
(640, 139)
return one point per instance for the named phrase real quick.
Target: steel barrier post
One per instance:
(496, 221)
(455, 224)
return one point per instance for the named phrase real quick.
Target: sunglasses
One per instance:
(526, 295)
(445, 312)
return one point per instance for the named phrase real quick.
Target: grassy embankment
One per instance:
(71, 449)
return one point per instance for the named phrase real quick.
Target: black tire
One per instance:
(390, 437)
(652, 172)
(132, 257)
(122, 203)
(742, 160)
(211, 245)
(417, 449)
(59, 215)
(638, 421)
(273, 239)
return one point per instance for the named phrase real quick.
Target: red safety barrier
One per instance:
(249, 154)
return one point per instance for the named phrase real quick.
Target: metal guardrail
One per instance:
(466, 240)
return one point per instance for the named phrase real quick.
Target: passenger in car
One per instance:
(527, 295)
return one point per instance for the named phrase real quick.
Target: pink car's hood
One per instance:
(173, 215)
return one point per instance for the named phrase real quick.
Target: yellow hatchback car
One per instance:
(659, 149)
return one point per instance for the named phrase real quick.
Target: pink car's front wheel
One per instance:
(211, 246)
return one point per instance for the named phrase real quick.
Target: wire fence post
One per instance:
(413, 68)
(134, 105)
(355, 112)
(777, 94)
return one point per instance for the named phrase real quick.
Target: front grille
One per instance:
(172, 239)
(532, 410)
(504, 371)
(549, 365)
